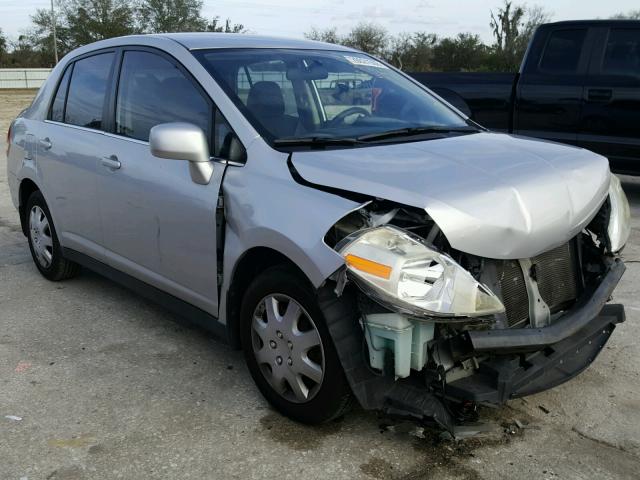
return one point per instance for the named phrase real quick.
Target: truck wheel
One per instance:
(43, 241)
(289, 351)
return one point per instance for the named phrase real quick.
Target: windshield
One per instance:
(321, 95)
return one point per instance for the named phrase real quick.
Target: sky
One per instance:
(291, 18)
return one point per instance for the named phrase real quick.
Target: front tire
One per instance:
(289, 350)
(43, 241)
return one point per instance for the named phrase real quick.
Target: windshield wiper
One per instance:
(315, 142)
(411, 131)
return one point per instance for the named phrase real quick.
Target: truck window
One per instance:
(622, 56)
(562, 52)
(87, 91)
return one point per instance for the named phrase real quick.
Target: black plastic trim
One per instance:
(524, 339)
(181, 308)
(356, 197)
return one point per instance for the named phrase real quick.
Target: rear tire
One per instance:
(43, 241)
(289, 350)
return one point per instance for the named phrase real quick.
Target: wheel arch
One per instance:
(27, 187)
(252, 263)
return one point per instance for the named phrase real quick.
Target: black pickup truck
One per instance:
(579, 83)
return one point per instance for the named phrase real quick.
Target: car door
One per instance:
(610, 122)
(70, 143)
(159, 226)
(549, 92)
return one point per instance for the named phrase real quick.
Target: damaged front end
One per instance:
(440, 331)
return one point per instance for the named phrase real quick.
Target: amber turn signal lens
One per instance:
(368, 266)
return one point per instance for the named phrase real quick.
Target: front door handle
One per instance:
(599, 94)
(46, 143)
(111, 162)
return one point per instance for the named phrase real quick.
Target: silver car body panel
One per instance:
(492, 195)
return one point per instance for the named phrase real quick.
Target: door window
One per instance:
(152, 90)
(622, 56)
(562, 53)
(57, 107)
(87, 91)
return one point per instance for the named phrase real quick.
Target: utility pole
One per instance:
(55, 40)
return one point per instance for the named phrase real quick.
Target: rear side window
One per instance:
(151, 91)
(622, 56)
(57, 107)
(562, 52)
(87, 90)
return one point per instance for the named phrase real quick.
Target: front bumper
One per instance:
(525, 361)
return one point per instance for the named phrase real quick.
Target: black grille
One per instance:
(514, 292)
(557, 276)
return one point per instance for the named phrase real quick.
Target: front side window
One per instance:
(87, 91)
(622, 56)
(562, 52)
(298, 94)
(151, 91)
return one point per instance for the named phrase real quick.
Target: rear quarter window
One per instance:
(57, 107)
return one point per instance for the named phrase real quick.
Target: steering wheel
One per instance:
(340, 118)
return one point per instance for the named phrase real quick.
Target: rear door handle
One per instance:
(599, 94)
(111, 162)
(46, 143)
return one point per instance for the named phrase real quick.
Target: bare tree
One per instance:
(630, 15)
(216, 26)
(329, 35)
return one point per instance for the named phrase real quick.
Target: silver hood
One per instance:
(493, 195)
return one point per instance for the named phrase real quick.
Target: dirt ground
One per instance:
(97, 383)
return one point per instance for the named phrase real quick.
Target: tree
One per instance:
(630, 15)
(40, 35)
(506, 25)
(3, 47)
(512, 28)
(465, 52)
(158, 16)
(329, 35)
(368, 37)
(228, 27)
(412, 51)
(88, 21)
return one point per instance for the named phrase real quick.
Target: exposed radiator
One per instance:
(556, 272)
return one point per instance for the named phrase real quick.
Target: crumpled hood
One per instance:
(493, 195)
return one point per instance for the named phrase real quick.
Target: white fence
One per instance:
(23, 77)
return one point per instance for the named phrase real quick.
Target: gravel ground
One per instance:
(98, 383)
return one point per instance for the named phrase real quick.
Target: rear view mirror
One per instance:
(183, 141)
(315, 71)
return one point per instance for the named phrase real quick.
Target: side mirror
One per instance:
(183, 141)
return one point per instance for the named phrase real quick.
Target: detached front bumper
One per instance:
(525, 361)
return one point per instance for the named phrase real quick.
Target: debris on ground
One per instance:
(15, 418)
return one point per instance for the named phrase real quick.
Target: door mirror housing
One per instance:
(183, 141)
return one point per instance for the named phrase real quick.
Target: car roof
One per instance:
(200, 40)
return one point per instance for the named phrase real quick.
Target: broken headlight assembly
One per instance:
(403, 273)
(619, 226)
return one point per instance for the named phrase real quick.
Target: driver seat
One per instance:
(266, 103)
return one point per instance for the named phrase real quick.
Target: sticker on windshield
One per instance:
(364, 61)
